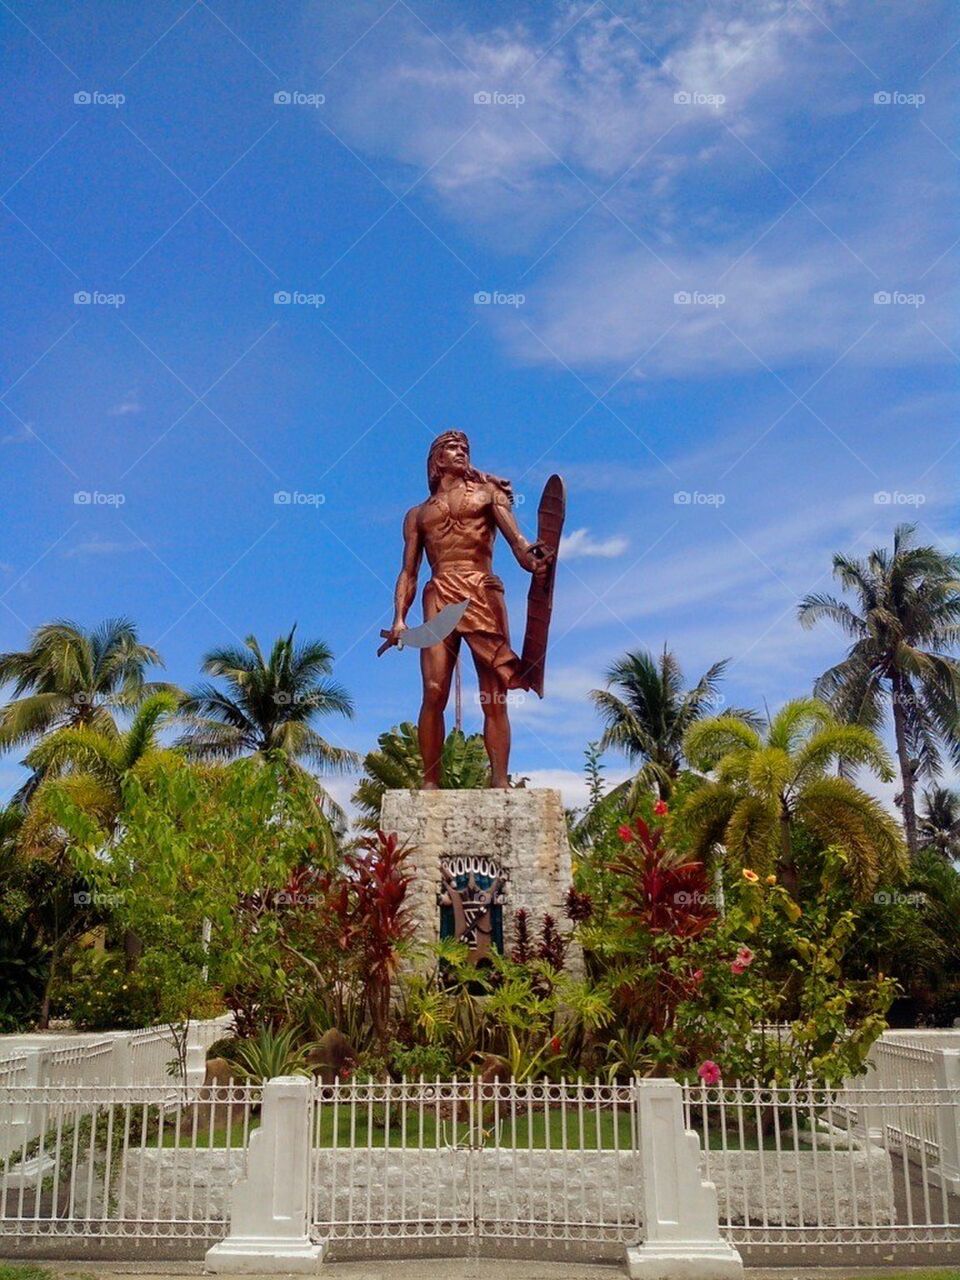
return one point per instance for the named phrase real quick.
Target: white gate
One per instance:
(416, 1162)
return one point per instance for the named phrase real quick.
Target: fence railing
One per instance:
(801, 1165)
(453, 1165)
(119, 1161)
(417, 1160)
(122, 1058)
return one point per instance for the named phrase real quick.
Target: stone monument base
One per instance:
(523, 832)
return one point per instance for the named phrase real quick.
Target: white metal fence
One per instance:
(120, 1058)
(418, 1161)
(123, 1161)
(451, 1166)
(805, 1166)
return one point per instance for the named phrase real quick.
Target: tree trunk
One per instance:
(906, 764)
(787, 867)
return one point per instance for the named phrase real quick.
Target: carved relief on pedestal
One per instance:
(471, 902)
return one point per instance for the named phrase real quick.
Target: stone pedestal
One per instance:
(524, 831)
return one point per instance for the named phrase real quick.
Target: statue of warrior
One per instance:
(456, 528)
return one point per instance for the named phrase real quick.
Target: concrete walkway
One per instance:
(459, 1269)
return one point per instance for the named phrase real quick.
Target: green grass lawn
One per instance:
(24, 1271)
(597, 1132)
(538, 1131)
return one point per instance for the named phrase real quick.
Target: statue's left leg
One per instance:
(496, 724)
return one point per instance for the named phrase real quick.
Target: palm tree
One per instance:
(905, 618)
(268, 706)
(938, 827)
(86, 767)
(650, 712)
(764, 789)
(71, 676)
(398, 766)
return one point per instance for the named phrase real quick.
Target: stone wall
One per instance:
(600, 1190)
(525, 830)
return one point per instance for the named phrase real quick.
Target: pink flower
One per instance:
(660, 808)
(709, 1072)
(743, 961)
(697, 975)
(625, 833)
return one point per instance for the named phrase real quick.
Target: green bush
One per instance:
(427, 1060)
(101, 995)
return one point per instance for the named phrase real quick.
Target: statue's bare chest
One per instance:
(467, 506)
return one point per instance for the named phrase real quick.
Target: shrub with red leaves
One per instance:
(579, 906)
(522, 952)
(552, 946)
(662, 896)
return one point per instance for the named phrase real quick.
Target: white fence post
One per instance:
(269, 1206)
(870, 1117)
(681, 1230)
(121, 1066)
(946, 1071)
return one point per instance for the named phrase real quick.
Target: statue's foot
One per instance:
(430, 786)
(500, 784)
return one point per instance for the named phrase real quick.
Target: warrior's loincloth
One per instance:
(484, 626)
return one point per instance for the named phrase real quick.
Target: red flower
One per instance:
(556, 1044)
(709, 1072)
(660, 808)
(625, 833)
(697, 976)
(743, 961)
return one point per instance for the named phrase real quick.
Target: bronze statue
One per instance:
(456, 527)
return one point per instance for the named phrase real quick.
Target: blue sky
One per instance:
(779, 163)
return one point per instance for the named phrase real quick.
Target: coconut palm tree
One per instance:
(905, 619)
(765, 789)
(938, 826)
(647, 711)
(69, 676)
(398, 765)
(85, 767)
(269, 705)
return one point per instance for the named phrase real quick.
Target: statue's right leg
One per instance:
(436, 666)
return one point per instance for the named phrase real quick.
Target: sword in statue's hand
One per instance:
(429, 633)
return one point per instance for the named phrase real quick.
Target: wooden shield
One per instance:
(550, 514)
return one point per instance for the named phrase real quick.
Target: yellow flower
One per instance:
(771, 879)
(750, 875)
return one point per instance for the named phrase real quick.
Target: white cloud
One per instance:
(572, 786)
(129, 404)
(22, 435)
(97, 546)
(580, 544)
